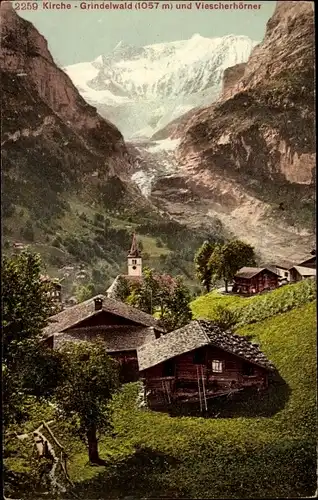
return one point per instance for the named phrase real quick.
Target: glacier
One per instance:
(142, 89)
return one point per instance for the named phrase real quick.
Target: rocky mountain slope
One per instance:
(53, 142)
(141, 89)
(67, 190)
(250, 157)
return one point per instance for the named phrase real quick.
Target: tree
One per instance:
(201, 262)
(25, 302)
(84, 292)
(122, 289)
(146, 296)
(176, 311)
(90, 380)
(27, 364)
(167, 296)
(227, 259)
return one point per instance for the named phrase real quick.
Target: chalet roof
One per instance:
(45, 278)
(309, 259)
(283, 264)
(73, 315)
(114, 338)
(305, 271)
(250, 272)
(197, 334)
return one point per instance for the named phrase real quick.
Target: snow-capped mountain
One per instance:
(141, 89)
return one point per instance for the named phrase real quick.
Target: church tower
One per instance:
(134, 259)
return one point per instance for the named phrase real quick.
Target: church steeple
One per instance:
(134, 250)
(134, 258)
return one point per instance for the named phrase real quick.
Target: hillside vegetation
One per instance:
(258, 307)
(247, 457)
(267, 449)
(97, 241)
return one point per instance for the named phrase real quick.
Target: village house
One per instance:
(251, 280)
(120, 327)
(55, 288)
(282, 270)
(310, 262)
(200, 361)
(299, 273)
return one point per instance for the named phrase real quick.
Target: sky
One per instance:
(78, 35)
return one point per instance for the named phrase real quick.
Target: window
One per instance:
(134, 262)
(217, 366)
(286, 275)
(248, 369)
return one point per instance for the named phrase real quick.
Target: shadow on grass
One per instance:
(140, 476)
(248, 403)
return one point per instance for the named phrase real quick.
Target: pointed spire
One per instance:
(134, 250)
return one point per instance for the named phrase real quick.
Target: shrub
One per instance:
(225, 318)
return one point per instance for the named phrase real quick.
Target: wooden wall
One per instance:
(259, 282)
(185, 369)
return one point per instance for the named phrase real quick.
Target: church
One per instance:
(134, 270)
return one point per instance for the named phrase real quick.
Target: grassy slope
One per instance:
(268, 452)
(259, 307)
(244, 457)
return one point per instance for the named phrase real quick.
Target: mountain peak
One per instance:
(159, 82)
(122, 45)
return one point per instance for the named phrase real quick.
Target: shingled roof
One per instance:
(310, 259)
(114, 338)
(197, 334)
(73, 315)
(250, 272)
(305, 271)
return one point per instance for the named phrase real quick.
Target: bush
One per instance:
(225, 318)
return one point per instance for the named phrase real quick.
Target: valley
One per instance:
(199, 143)
(165, 170)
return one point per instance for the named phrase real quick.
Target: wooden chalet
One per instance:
(122, 329)
(310, 262)
(251, 280)
(299, 273)
(281, 268)
(55, 288)
(198, 362)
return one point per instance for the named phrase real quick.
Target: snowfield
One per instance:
(142, 89)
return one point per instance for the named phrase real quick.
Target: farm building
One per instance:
(282, 269)
(198, 362)
(298, 273)
(251, 280)
(122, 329)
(55, 288)
(309, 262)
